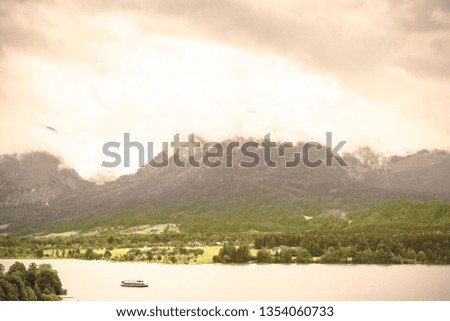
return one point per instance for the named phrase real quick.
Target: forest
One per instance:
(393, 232)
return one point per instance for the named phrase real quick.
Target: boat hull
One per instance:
(134, 285)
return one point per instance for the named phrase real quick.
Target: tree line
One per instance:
(379, 247)
(350, 247)
(428, 245)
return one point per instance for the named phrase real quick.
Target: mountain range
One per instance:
(38, 193)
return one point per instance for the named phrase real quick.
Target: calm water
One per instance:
(100, 280)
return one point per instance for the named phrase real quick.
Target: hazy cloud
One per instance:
(376, 72)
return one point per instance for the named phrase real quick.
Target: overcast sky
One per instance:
(375, 73)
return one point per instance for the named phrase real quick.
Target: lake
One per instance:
(100, 280)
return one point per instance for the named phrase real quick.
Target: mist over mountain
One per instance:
(37, 190)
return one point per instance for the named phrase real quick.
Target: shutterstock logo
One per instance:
(212, 154)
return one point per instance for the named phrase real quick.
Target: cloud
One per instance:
(385, 50)
(376, 73)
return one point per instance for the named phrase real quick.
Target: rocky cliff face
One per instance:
(36, 178)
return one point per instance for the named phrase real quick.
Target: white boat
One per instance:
(134, 284)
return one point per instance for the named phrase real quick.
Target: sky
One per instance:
(77, 74)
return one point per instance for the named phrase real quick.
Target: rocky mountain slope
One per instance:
(36, 189)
